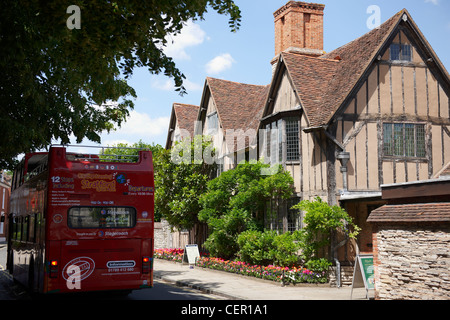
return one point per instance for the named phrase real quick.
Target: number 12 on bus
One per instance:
(82, 222)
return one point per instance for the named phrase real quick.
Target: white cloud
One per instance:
(220, 63)
(435, 2)
(168, 85)
(165, 85)
(191, 35)
(141, 124)
(192, 86)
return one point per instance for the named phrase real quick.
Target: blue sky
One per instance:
(208, 48)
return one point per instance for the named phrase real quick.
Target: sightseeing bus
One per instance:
(81, 222)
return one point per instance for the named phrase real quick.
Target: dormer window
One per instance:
(400, 52)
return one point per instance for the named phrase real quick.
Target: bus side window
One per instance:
(38, 224)
(25, 223)
(14, 228)
(17, 177)
(19, 228)
(32, 228)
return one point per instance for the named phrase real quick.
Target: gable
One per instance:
(405, 83)
(424, 71)
(285, 96)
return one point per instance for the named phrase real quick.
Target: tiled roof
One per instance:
(311, 77)
(239, 106)
(324, 83)
(186, 115)
(421, 212)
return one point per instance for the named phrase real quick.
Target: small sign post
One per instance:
(191, 254)
(363, 274)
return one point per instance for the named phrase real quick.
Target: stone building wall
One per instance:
(162, 235)
(166, 238)
(412, 261)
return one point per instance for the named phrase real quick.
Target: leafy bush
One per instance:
(286, 253)
(256, 247)
(268, 247)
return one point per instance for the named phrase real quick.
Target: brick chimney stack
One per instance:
(299, 28)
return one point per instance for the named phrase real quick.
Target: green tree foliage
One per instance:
(125, 151)
(235, 201)
(320, 221)
(179, 185)
(57, 82)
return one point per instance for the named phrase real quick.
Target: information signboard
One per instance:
(191, 253)
(363, 274)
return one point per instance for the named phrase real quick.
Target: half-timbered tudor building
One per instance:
(374, 111)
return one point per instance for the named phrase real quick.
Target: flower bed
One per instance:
(169, 254)
(270, 272)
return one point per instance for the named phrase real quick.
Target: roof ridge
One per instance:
(309, 57)
(240, 83)
(185, 104)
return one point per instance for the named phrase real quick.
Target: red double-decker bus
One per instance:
(81, 222)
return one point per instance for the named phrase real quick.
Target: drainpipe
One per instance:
(338, 272)
(344, 157)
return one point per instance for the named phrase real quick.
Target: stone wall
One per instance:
(162, 235)
(412, 261)
(166, 238)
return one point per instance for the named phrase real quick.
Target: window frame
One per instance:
(400, 57)
(290, 149)
(278, 144)
(209, 120)
(419, 136)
